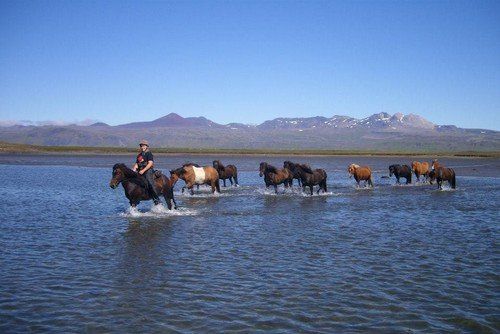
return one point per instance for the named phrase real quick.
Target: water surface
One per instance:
(388, 259)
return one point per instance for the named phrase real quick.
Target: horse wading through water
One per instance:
(226, 172)
(292, 167)
(135, 185)
(360, 174)
(400, 171)
(274, 176)
(420, 168)
(441, 173)
(311, 178)
(196, 175)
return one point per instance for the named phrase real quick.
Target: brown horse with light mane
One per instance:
(420, 168)
(274, 176)
(360, 174)
(441, 173)
(193, 175)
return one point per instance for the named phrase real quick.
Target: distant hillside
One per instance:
(380, 132)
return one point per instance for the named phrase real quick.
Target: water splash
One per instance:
(157, 211)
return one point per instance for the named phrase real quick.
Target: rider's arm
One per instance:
(148, 166)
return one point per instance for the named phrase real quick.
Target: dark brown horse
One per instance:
(360, 173)
(293, 168)
(193, 175)
(400, 171)
(135, 185)
(226, 172)
(311, 178)
(274, 176)
(441, 173)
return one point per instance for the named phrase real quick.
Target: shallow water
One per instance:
(393, 258)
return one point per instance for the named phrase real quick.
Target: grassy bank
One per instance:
(35, 149)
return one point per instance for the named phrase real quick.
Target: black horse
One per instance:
(312, 178)
(401, 171)
(226, 172)
(293, 168)
(135, 185)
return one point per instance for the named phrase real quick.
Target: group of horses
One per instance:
(136, 187)
(306, 176)
(431, 172)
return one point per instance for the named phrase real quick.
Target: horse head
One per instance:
(414, 165)
(352, 169)
(120, 173)
(392, 170)
(435, 164)
(176, 174)
(262, 168)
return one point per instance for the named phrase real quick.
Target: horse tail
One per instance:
(235, 175)
(453, 179)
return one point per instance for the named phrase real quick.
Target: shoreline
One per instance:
(22, 149)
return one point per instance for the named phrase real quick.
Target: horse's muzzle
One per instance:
(260, 174)
(113, 185)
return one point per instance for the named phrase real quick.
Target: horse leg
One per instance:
(223, 180)
(276, 188)
(311, 188)
(167, 200)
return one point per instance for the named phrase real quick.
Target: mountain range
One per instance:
(380, 132)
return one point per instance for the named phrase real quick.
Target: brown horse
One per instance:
(441, 173)
(135, 185)
(226, 172)
(360, 174)
(196, 175)
(420, 168)
(274, 176)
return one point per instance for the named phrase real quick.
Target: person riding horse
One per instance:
(144, 166)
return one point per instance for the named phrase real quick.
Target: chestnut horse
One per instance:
(441, 173)
(400, 171)
(274, 176)
(135, 185)
(420, 168)
(293, 168)
(360, 174)
(226, 172)
(196, 175)
(312, 178)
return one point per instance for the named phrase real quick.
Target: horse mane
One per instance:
(355, 166)
(126, 171)
(187, 164)
(305, 168)
(271, 169)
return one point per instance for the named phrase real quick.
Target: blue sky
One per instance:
(249, 61)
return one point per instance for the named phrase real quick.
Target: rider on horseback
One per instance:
(144, 166)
